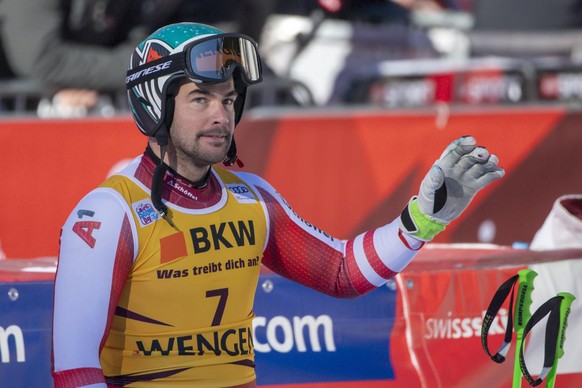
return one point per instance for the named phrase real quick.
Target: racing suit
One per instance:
(144, 300)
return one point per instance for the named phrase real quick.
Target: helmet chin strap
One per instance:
(232, 157)
(241, 88)
(162, 137)
(158, 177)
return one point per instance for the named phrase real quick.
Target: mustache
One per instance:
(216, 132)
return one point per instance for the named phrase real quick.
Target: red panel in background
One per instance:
(349, 172)
(48, 167)
(346, 172)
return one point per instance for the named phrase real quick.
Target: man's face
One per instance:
(203, 124)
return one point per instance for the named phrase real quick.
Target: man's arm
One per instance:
(96, 253)
(304, 253)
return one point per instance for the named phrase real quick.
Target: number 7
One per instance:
(223, 294)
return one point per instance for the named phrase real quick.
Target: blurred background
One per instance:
(358, 100)
(387, 53)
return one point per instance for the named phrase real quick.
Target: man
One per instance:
(158, 266)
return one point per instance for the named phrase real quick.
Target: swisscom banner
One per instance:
(25, 334)
(420, 330)
(300, 336)
(306, 337)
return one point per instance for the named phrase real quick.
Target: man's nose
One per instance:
(220, 113)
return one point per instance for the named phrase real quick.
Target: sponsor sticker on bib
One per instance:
(242, 193)
(145, 212)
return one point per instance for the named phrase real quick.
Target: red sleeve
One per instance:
(304, 253)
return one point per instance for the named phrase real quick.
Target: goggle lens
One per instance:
(214, 59)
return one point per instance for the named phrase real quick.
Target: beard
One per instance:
(202, 151)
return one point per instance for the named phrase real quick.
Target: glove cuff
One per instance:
(416, 223)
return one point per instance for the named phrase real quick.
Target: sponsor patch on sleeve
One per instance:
(241, 192)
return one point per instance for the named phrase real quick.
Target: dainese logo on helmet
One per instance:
(149, 70)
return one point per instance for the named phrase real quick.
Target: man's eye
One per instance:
(228, 101)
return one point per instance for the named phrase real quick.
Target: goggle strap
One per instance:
(155, 69)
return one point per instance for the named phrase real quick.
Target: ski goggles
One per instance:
(209, 60)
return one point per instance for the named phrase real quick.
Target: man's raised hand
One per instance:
(462, 170)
